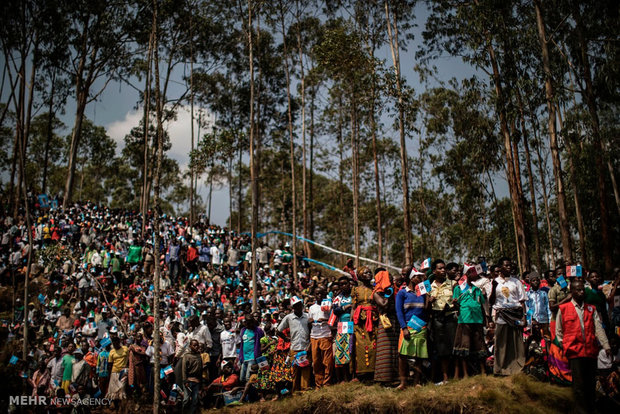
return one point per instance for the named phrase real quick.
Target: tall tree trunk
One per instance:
(230, 193)
(373, 129)
(515, 195)
(19, 136)
(144, 204)
(355, 180)
(239, 192)
(156, 202)
(49, 133)
(310, 178)
(543, 182)
(304, 197)
(82, 88)
(253, 177)
(530, 177)
(343, 244)
(191, 105)
(597, 139)
(573, 182)
(292, 144)
(395, 50)
(567, 250)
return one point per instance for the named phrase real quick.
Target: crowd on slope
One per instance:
(91, 324)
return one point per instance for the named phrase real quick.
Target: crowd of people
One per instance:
(91, 321)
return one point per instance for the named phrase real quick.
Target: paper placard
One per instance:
(345, 327)
(262, 362)
(561, 281)
(416, 323)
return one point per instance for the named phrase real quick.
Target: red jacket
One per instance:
(575, 343)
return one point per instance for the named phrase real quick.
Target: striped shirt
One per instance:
(408, 304)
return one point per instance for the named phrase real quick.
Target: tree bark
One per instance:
(597, 139)
(144, 205)
(355, 181)
(303, 140)
(543, 182)
(292, 145)
(553, 140)
(573, 182)
(515, 195)
(394, 48)
(156, 203)
(49, 133)
(530, 177)
(253, 176)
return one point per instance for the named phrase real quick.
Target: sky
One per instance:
(116, 110)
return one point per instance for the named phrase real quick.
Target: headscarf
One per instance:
(382, 281)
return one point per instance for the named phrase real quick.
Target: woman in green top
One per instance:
(469, 336)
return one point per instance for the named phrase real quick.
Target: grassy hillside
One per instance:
(518, 394)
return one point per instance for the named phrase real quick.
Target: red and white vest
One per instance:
(578, 343)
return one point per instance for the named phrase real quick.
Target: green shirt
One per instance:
(67, 367)
(116, 264)
(557, 295)
(470, 304)
(134, 255)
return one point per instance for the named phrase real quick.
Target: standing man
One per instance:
(321, 341)
(190, 375)
(578, 328)
(299, 327)
(443, 317)
(509, 316)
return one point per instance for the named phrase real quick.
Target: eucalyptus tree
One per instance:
(99, 46)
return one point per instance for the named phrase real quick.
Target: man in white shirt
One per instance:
(228, 339)
(298, 323)
(215, 256)
(166, 349)
(509, 316)
(321, 340)
(200, 333)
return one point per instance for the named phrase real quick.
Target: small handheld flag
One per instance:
(562, 282)
(463, 283)
(423, 288)
(426, 264)
(332, 319)
(576, 271)
(13, 360)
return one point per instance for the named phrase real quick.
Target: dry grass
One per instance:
(518, 394)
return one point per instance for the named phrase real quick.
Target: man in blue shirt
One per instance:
(537, 305)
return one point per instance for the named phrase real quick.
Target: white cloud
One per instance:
(179, 131)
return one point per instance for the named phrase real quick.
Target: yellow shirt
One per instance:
(118, 358)
(442, 294)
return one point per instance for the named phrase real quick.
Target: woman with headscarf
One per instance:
(386, 365)
(137, 361)
(365, 318)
